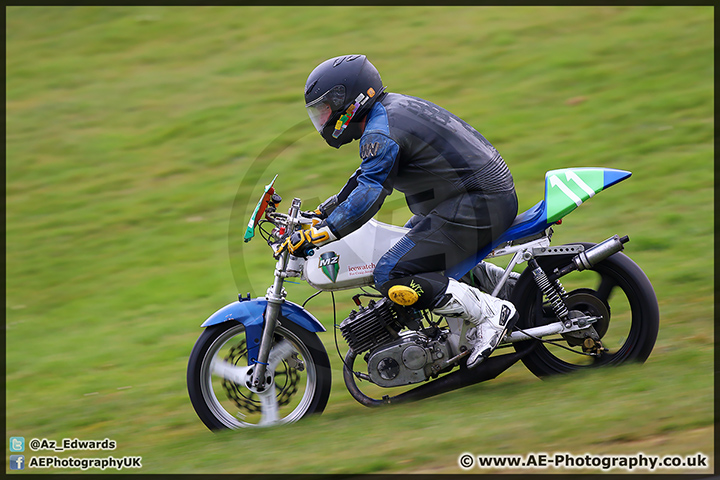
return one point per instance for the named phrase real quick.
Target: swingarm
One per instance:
(571, 323)
(576, 324)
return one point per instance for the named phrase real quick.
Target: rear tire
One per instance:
(616, 289)
(302, 382)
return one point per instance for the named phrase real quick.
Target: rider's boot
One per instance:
(491, 317)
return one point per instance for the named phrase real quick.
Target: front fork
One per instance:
(275, 297)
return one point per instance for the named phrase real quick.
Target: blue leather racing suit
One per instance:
(455, 182)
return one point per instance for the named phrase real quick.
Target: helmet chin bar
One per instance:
(353, 131)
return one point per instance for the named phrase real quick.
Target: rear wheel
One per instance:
(301, 378)
(616, 290)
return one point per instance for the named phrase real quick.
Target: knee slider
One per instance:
(419, 291)
(403, 295)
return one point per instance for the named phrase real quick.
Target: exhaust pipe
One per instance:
(593, 256)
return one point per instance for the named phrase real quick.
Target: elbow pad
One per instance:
(327, 207)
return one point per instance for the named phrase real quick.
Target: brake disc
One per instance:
(286, 382)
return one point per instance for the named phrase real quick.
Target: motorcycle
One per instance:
(260, 362)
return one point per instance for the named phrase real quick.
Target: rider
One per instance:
(455, 182)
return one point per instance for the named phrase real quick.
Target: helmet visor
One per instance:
(321, 109)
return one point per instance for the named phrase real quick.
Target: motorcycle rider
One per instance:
(456, 184)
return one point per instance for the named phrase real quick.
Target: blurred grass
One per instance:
(137, 139)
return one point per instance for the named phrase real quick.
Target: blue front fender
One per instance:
(251, 314)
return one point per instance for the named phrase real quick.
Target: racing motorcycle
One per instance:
(260, 362)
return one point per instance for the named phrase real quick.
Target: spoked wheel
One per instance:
(218, 378)
(616, 290)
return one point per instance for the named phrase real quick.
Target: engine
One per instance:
(394, 357)
(374, 325)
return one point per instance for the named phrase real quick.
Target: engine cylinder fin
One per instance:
(373, 325)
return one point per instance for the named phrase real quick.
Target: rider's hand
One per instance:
(323, 210)
(316, 216)
(302, 242)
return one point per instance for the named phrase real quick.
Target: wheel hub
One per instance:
(585, 302)
(286, 383)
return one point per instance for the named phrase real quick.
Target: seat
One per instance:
(529, 222)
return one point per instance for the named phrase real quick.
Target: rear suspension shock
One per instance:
(553, 292)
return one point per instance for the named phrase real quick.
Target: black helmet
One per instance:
(338, 94)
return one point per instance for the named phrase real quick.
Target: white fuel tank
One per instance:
(350, 261)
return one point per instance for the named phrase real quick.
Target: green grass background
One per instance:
(138, 137)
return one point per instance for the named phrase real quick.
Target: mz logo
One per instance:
(330, 265)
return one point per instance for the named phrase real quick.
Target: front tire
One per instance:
(616, 289)
(302, 381)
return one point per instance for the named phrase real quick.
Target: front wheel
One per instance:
(616, 290)
(219, 363)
